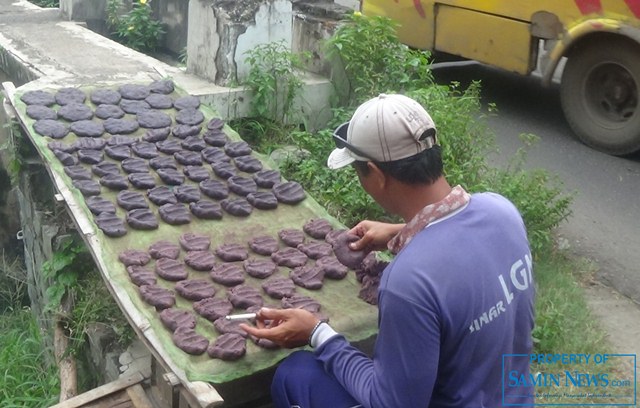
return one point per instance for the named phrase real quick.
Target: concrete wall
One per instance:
(221, 32)
(174, 15)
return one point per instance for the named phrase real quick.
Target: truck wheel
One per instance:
(599, 94)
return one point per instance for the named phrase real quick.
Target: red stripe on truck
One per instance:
(591, 6)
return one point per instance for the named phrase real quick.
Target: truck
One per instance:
(594, 44)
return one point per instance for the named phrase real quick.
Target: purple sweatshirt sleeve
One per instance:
(403, 371)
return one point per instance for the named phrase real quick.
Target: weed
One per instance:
(136, 29)
(13, 283)
(27, 380)
(274, 80)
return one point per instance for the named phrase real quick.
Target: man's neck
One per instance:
(415, 199)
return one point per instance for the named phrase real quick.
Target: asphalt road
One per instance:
(605, 223)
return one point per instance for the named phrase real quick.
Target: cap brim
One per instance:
(340, 158)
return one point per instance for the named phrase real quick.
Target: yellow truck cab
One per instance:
(600, 39)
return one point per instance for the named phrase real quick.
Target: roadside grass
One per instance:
(26, 378)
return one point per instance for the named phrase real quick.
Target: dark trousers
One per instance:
(300, 381)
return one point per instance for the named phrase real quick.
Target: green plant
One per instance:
(46, 3)
(73, 276)
(374, 60)
(136, 29)
(13, 283)
(64, 270)
(27, 379)
(274, 80)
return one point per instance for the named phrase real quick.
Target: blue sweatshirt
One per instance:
(455, 299)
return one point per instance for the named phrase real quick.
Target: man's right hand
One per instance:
(374, 235)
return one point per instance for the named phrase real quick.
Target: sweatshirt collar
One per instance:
(455, 200)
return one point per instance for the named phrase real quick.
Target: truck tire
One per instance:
(599, 94)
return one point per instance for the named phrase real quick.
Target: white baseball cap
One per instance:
(383, 129)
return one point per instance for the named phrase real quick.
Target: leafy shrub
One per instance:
(46, 3)
(374, 60)
(273, 79)
(136, 29)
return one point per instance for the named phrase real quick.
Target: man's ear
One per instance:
(377, 177)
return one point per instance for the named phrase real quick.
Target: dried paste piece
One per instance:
(163, 162)
(169, 146)
(172, 318)
(242, 185)
(183, 131)
(290, 257)
(90, 143)
(67, 159)
(135, 165)
(248, 164)
(87, 128)
(157, 296)
(121, 126)
(98, 205)
(195, 289)
(75, 111)
(118, 152)
(347, 256)
(200, 260)
(244, 297)
(87, 187)
(213, 308)
(188, 158)
(111, 225)
(104, 168)
(298, 301)
(291, 237)
(38, 97)
(232, 252)
(267, 178)
(130, 200)
(190, 117)
(224, 326)
(215, 189)
(189, 341)
(142, 219)
(77, 172)
(142, 181)
(114, 182)
(239, 207)
(134, 91)
(331, 237)
(194, 143)
(223, 169)
(259, 268)
(263, 200)
(236, 149)
(134, 257)
(109, 111)
(290, 192)
(119, 140)
(164, 249)
(162, 86)
(156, 135)
(187, 102)
(171, 269)
(68, 95)
(206, 210)
(145, 150)
(263, 245)
(187, 193)
(215, 138)
(316, 249)
(308, 277)
(51, 128)
(161, 195)
(153, 119)
(134, 107)
(194, 242)
(317, 228)
(90, 156)
(215, 124)
(159, 101)
(332, 267)
(196, 173)
(171, 177)
(140, 275)
(228, 347)
(227, 274)
(279, 287)
(105, 96)
(175, 214)
(38, 112)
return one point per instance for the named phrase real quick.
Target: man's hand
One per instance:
(286, 327)
(374, 235)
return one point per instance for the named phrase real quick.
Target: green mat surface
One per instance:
(348, 314)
